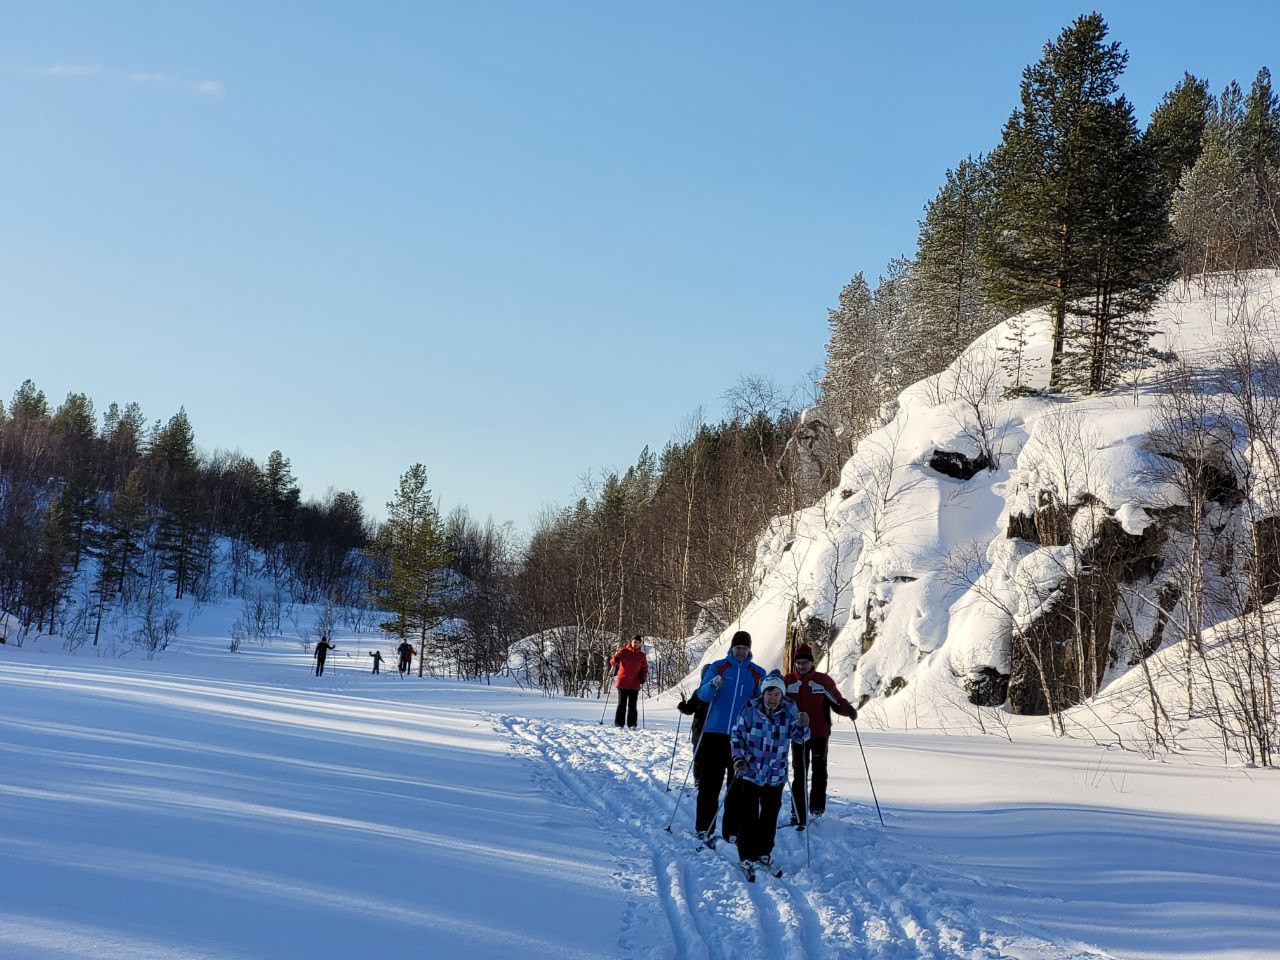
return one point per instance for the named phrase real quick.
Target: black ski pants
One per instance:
(319, 666)
(626, 711)
(757, 818)
(809, 758)
(715, 760)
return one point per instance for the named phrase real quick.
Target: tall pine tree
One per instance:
(1073, 186)
(948, 281)
(413, 556)
(1175, 135)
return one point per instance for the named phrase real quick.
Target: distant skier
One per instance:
(728, 685)
(633, 670)
(406, 652)
(760, 742)
(377, 661)
(695, 708)
(816, 695)
(322, 653)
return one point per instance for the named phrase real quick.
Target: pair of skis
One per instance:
(748, 867)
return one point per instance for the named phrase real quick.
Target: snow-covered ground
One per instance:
(217, 805)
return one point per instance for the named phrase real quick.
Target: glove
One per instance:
(717, 682)
(853, 713)
(802, 720)
(739, 765)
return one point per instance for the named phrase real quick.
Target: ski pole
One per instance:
(606, 703)
(688, 771)
(641, 697)
(869, 780)
(804, 801)
(675, 744)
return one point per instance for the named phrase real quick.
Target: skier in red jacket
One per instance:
(815, 694)
(633, 670)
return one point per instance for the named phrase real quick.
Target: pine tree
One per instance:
(1080, 217)
(948, 280)
(1175, 135)
(75, 437)
(1129, 256)
(413, 555)
(119, 544)
(1044, 178)
(179, 532)
(852, 350)
(1260, 152)
(53, 570)
(896, 333)
(1216, 203)
(279, 498)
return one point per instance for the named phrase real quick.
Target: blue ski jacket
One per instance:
(741, 682)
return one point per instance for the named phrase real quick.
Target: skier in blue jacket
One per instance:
(728, 686)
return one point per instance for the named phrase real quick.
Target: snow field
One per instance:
(217, 806)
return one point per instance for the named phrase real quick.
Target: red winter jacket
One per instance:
(817, 695)
(632, 666)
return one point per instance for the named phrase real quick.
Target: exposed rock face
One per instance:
(1061, 655)
(949, 463)
(814, 453)
(987, 687)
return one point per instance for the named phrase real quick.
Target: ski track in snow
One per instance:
(855, 901)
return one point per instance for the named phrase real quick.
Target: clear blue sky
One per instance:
(513, 241)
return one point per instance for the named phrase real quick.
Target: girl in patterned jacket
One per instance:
(761, 741)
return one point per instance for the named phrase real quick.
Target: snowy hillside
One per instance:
(211, 805)
(961, 521)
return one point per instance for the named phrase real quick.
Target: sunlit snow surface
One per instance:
(218, 805)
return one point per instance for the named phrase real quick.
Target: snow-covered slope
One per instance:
(917, 578)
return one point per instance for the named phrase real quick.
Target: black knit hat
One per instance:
(741, 639)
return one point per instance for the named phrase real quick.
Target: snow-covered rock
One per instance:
(963, 531)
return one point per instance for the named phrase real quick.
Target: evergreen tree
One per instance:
(280, 496)
(1080, 217)
(1175, 135)
(1216, 205)
(1260, 153)
(413, 555)
(119, 544)
(179, 532)
(1129, 256)
(895, 324)
(74, 433)
(1045, 177)
(948, 282)
(852, 350)
(53, 570)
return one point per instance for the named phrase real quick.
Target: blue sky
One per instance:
(514, 241)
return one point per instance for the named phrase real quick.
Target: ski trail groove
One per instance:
(863, 897)
(691, 939)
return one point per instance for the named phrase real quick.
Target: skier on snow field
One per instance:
(817, 695)
(633, 670)
(761, 738)
(728, 685)
(406, 652)
(322, 653)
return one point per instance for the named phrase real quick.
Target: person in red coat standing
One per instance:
(633, 670)
(815, 694)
